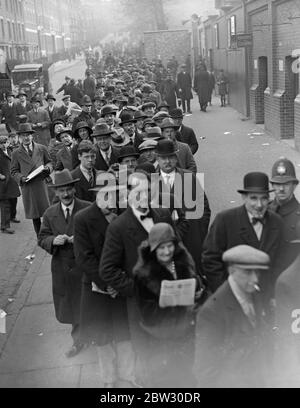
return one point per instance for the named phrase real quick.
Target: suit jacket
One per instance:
(66, 277)
(185, 158)
(230, 352)
(187, 135)
(9, 117)
(231, 228)
(83, 186)
(63, 160)
(55, 114)
(21, 110)
(120, 251)
(101, 163)
(8, 187)
(35, 193)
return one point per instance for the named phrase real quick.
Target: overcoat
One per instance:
(231, 228)
(8, 187)
(64, 159)
(202, 86)
(169, 93)
(42, 135)
(187, 135)
(66, 277)
(185, 157)
(34, 194)
(102, 319)
(83, 186)
(9, 114)
(230, 352)
(101, 163)
(184, 82)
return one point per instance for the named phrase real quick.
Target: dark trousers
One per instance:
(223, 100)
(37, 225)
(186, 103)
(13, 208)
(5, 214)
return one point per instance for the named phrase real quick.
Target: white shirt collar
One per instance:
(104, 153)
(85, 172)
(71, 208)
(168, 176)
(147, 223)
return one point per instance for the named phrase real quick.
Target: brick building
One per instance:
(264, 77)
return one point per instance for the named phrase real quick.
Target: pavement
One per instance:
(32, 351)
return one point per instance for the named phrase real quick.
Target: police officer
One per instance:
(284, 183)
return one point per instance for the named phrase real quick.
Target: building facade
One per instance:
(263, 71)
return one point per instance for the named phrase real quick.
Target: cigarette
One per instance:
(257, 288)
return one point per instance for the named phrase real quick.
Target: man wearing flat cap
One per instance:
(284, 182)
(250, 224)
(231, 337)
(56, 237)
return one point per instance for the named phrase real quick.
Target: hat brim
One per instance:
(24, 132)
(255, 191)
(95, 135)
(128, 121)
(120, 158)
(69, 183)
(247, 266)
(170, 127)
(284, 180)
(167, 154)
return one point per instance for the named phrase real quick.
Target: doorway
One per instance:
(291, 91)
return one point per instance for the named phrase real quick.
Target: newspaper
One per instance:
(97, 290)
(35, 173)
(177, 293)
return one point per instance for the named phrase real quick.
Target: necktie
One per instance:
(91, 180)
(106, 158)
(257, 220)
(68, 216)
(29, 151)
(168, 182)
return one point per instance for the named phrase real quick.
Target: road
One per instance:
(33, 351)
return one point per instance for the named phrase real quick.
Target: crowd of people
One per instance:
(110, 182)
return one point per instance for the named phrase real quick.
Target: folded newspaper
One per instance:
(35, 173)
(177, 293)
(98, 290)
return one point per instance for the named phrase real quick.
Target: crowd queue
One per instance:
(110, 201)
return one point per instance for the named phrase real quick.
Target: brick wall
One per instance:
(166, 44)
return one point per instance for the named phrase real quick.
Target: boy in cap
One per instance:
(230, 343)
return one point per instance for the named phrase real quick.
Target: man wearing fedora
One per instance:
(23, 106)
(86, 113)
(184, 86)
(85, 172)
(251, 224)
(184, 133)
(106, 154)
(103, 314)
(109, 114)
(57, 237)
(52, 109)
(27, 158)
(9, 113)
(128, 157)
(287, 317)
(40, 120)
(231, 336)
(128, 124)
(184, 154)
(284, 182)
(64, 155)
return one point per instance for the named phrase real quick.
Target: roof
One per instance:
(27, 67)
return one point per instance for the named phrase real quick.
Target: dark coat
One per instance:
(230, 352)
(83, 186)
(89, 87)
(185, 157)
(101, 163)
(21, 110)
(83, 117)
(63, 160)
(231, 228)
(8, 187)
(187, 135)
(55, 114)
(202, 86)
(34, 194)
(9, 116)
(184, 82)
(66, 277)
(170, 331)
(42, 135)
(75, 93)
(290, 214)
(102, 319)
(169, 93)
(198, 227)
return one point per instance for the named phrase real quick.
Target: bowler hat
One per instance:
(25, 128)
(65, 130)
(246, 257)
(159, 234)
(108, 109)
(169, 123)
(127, 117)
(49, 96)
(127, 151)
(283, 171)
(86, 100)
(256, 182)
(176, 113)
(102, 129)
(63, 178)
(166, 147)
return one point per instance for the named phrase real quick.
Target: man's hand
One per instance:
(60, 240)
(2, 177)
(71, 240)
(112, 292)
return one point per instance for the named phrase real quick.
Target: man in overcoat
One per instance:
(184, 86)
(232, 336)
(27, 158)
(250, 224)
(9, 113)
(184, 133)
(64, 155)
(40, 120)
(56, 237)
(106, 154)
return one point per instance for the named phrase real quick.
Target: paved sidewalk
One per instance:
(33, 350)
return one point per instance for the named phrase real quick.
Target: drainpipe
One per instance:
(247, 82)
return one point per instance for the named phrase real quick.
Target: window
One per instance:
(217, 40)
(231, 29)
